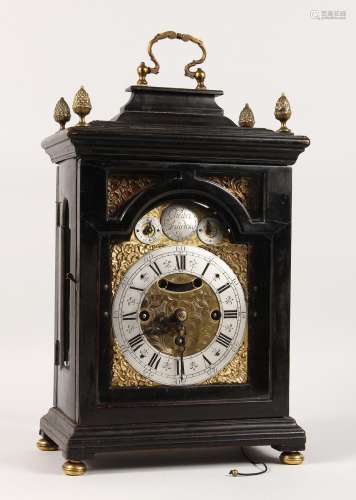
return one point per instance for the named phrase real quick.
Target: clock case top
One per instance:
(170, 125)
(182, 137)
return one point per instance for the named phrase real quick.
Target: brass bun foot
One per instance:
(74, 468)
(45, 444)
(291, 457)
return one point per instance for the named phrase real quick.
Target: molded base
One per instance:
(79, 441)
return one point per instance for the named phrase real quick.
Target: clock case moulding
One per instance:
(182, 137)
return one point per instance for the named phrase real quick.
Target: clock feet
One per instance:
(74, 468)
(46, 444)
(291, 457)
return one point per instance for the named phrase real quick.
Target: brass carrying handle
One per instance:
(143, 70)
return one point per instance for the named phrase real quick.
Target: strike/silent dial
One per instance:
(210, 231)
(148, 230)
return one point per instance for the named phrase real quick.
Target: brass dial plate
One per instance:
(125, 254)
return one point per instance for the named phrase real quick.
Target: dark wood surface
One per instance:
(82, 442)
(181, 137)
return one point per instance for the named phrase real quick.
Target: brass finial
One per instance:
(142, 71)
(61, 113)
(246, 118)
(199, 76)
(81, 105)
(283, 112)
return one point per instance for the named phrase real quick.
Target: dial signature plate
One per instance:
(178, 222)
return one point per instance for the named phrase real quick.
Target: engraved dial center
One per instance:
(174, 303)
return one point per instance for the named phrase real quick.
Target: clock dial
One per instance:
(179, 315)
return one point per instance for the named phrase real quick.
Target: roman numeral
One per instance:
(154, 361)
(155, 268)
(223, 340)
(180, 366)
(224, 287)
(180, 259)
(205, 269)
(136, 342)
(129, 316)
(207, 361)
(230, 313)
(138, 289)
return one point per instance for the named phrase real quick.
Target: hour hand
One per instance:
(163, 325)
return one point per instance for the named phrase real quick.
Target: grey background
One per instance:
(256, 50)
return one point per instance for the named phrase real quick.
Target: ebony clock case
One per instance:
(181, 138)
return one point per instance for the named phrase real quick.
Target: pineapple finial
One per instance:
(61, 113)
(283, 112)
(246, 118)
(81, 105)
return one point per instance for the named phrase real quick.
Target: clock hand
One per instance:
(180, 343)
(162, 325)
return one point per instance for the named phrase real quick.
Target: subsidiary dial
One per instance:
(210, 231)
(178, 222)
(148, 230)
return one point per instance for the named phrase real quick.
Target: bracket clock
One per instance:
(172, 275)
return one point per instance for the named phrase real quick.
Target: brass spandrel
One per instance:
(121, 188)
(234, 372)
(236, 256)
(122, 373)
(237, 186)
(247, 190)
